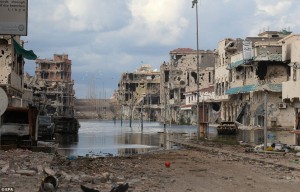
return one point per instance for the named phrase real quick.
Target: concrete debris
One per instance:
(146, 172)
(26, 172)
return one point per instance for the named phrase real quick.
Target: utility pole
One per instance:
(195, 4)
(165, 106)
(142, 126)
(265, 119)
(131, 109)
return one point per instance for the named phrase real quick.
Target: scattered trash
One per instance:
(71, 157)
(167, 164)
(119, 188)
(296, 148)
(278, 146)
(249, 149)
(49, 184)
(270, 148)
(86, 189)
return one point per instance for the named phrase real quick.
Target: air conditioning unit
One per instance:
(282, 105)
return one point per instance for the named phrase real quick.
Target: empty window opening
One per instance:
(167, 73)
(261, 71)
(194, 75)
(216, 106)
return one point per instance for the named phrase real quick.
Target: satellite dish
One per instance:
(3, 101)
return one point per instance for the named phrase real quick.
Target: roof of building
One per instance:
(183, 50)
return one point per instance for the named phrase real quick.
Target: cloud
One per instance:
(106, 38)
(97, 15)
(273, 7)
(276, 15)
(156, 21)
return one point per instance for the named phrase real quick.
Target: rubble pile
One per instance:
(212, 166)
(23, 169)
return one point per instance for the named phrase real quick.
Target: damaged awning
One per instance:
(237, 63)
(30, 55)
(252, 88)
(244, 89)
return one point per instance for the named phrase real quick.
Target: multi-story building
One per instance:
(12, 56)
(19, 116)
(58, 88)
(290, 88)
(138, 93)
(255, 72)
(226, 48)
(179, 83)
(58, 92)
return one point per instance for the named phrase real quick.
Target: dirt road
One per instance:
(190, 170)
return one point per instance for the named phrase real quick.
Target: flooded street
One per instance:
(106, 138)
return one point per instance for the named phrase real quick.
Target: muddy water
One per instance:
(106, 138)
(103, 138)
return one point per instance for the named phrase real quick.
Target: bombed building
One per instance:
(57, 94)
(58, 87)
(138, 93)
(179, 79)
(253, 78)
(290, 88)
(19, 112)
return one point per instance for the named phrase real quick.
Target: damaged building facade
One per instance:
(57, 93)
(254, 70)
(12, 71)
(58, 86)
(290, 88)
(138, 93)
(179, 84)
(18, 119)
(251, 82)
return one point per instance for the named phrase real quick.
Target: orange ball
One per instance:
(167, 164)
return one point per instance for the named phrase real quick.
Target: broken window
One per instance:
(167, 73)
(294, 73)
(216, 106)
(194, 75)
(182, 96)
(130, 76)
(222, 88)
(171, 95)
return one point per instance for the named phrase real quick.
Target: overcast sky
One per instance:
(105, 38)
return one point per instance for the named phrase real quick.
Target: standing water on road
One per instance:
(106, 138)
(102, 138)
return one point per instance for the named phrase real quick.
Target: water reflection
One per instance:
(102, 138)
